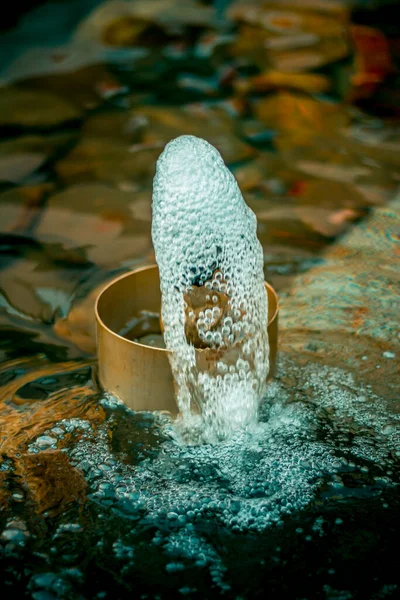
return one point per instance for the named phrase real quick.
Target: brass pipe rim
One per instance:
(101, 321)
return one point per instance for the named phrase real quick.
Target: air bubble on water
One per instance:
(44, 441)
(15, 533)
(204, 234)
(110, 401)
(222, 367)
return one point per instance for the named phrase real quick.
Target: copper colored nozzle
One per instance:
(138, 374)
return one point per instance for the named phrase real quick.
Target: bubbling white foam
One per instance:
(214, 303)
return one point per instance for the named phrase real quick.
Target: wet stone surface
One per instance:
(301, 99)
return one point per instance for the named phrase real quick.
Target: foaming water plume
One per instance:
(214, 303)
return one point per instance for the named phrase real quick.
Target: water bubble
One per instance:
(217, 338)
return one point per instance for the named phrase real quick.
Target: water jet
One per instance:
(218, 317)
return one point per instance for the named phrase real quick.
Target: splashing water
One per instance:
(214, 303)
(337, 442)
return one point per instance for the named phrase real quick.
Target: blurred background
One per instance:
(301, 98)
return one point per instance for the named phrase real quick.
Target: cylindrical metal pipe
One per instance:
(140, 375)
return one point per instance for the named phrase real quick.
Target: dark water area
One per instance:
(302, 100)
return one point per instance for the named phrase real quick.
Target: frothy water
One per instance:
(214, 303)
(323, 438)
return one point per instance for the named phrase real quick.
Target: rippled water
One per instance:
(99, 502)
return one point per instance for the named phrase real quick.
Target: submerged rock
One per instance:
(32, 109)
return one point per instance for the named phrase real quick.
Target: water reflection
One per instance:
(301, 100)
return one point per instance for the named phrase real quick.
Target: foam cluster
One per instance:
(214, 303)
(323, 441)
